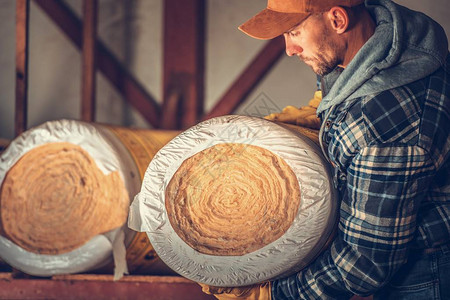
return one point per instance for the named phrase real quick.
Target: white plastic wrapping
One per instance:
(291, 252)
(110, 155)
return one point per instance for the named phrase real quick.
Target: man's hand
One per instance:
(252, 292)
(303, 116)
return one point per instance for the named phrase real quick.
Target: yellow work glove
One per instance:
(303, 116)
(252, 292)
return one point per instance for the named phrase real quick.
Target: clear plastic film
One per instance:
(291, 252)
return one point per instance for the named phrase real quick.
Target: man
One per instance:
(385, 130)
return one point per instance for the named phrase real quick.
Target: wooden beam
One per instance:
(100, 287)
(248, 79)
(22, 45)
(184, 56)
(123, 81)
(88, 87)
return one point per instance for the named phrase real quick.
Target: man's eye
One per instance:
(293, 33)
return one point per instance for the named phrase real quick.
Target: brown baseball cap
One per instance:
(282, 15)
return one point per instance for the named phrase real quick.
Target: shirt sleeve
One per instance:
(384, 187)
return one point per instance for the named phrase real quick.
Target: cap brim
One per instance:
(269, 24)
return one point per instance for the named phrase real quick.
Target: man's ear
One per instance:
(339, 19)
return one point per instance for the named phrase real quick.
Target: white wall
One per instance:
(132, 30)
(7, 64)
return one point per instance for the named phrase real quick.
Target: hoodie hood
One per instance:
(406, 46)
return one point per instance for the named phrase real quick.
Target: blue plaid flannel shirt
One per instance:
(390, 154)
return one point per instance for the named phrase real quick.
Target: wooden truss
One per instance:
(183, 67)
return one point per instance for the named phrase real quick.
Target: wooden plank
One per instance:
(122, 80)
(88, 87)
(100, 287)
(248, 79)
(22, 45)
(184, 56)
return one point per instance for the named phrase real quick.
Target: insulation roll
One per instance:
(65, 192)
(237, 200)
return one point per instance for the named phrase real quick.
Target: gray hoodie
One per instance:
(405, 47)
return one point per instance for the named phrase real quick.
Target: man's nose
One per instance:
(291, 47)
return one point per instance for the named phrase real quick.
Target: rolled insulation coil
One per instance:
(65, 192)
(237, 200)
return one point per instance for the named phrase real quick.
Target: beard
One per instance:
(321, 64)
(326, 58)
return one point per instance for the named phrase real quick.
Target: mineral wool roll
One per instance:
(235, 201)
(64, 197)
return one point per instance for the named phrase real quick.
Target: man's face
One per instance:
(312, 41)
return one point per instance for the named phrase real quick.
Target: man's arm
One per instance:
(385, 185)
